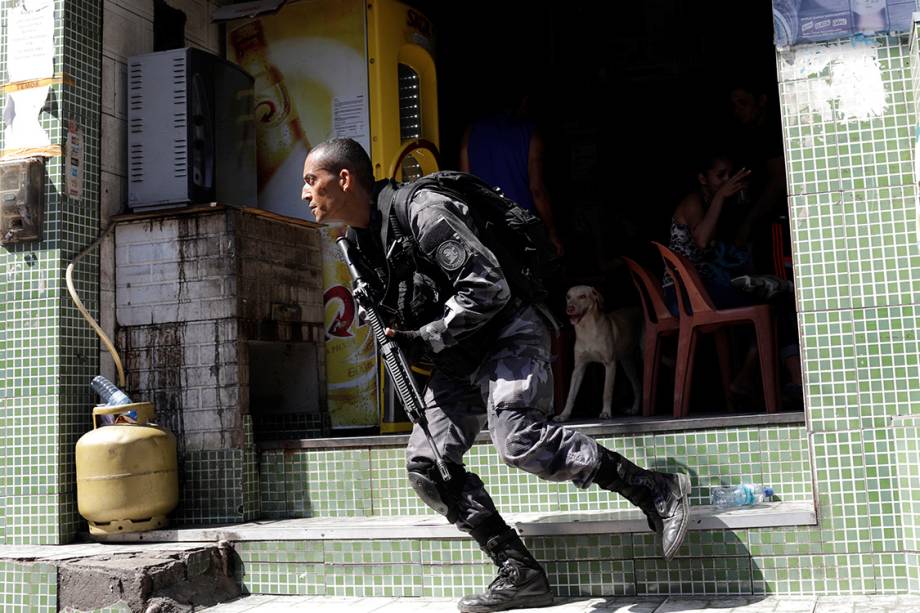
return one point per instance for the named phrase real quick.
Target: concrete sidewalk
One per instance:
(639, 604)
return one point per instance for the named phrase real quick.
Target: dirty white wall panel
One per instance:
(191, 291)
(175, 269)
(191, 371)
(280, 273)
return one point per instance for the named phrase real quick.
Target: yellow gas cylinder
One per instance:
(126, 473)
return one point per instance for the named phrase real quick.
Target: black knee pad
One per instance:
(427, 482)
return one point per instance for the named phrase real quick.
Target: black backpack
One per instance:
(516, 236)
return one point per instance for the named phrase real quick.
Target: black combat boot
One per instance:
(520, 583)
(664, 497)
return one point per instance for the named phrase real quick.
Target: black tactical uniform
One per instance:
(492, 367)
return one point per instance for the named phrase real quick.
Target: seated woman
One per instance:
(695, 225)
(693, 231)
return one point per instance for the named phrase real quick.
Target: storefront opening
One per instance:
(633, 100)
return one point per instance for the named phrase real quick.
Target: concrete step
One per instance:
(173, 577)
(585, 554)
(767, 515)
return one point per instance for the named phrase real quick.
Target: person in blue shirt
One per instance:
(506, 150)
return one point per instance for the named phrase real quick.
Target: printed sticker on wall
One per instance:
(350, 118)
(74, 159)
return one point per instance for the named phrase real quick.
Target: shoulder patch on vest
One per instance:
(451, 255)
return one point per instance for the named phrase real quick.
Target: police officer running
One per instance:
(491, 352)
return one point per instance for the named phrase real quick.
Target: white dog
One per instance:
(607, 338)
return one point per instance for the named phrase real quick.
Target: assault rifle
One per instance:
(393, 357)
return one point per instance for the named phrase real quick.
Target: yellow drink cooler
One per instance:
(362, 69)
(404, 127)
(126, 473)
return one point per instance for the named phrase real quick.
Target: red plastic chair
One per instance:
(698, 314)
(659, 322)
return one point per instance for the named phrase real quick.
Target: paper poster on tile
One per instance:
(350, 119)
(30, 40)
(808, 21)
(30, 56)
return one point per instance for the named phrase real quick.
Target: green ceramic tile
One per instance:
(581, 547)
(389, 580)
(402, 552)
(47, 352)
(884, 242)
(793, 541)
(823, 235)
(512, 489)
(907, 463)
(891, 573)
(456, 580)
(592, 578)
(912, 560)
(882, 490)
(32, 520)
(284, 578)
(711, 458)
(687, 576)
(697, 544)
(819, 574)
(390, 489)
(785, 464)
(211, 488)
(280, 552)
(272, 485)
(841, 480)
(454, 551)
(328, 483)
(251, 477)
(829, 370)
(28, 587)
(887, 362)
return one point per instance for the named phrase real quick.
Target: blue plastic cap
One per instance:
(768, 491)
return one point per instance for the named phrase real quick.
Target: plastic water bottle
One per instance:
(111, 396)
(744, 495)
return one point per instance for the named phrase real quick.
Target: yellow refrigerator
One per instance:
(362, 69)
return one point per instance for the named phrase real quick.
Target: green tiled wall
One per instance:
(210, 489)
(913, 572)
(907, 451)
(368, 482)
(47, 353)
(221, 485)
(856, 248)
(298, 483)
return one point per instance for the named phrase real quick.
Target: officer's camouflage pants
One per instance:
(513, 392)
